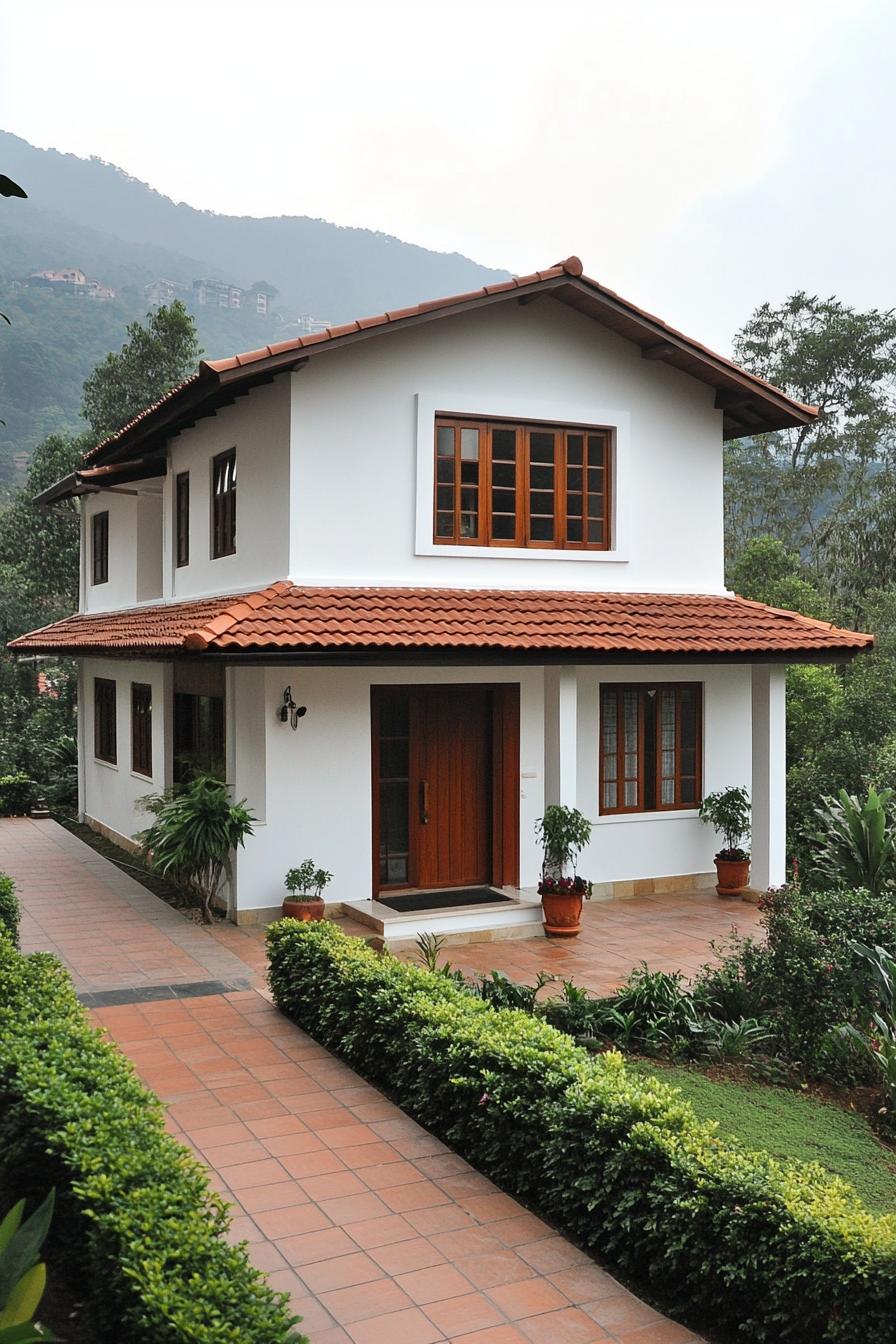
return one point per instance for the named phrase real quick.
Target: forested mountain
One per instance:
(89, 214)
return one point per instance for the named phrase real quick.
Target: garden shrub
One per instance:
(16, 795)
(805, 980)
(10, 910)
(720, 1233)
(137, 1225)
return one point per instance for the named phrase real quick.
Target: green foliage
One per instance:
(619, 1161)
(879, 1037)
(766, 571)
(728, 813)
(158, 353)
(790, 1125)
(805, 979)
(193, 835)
(137, 1225)
(563, 832)
(23, 1275)
(307, 882)
(16, 795)
(10, 910)
(856, 845)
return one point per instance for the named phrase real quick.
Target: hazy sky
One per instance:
(699, 155)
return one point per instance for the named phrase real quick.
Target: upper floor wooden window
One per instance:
(651, 747)
(532, 485)
(105, 729)
(224, 504)
(182, 517)
(99, 547)
(141, 728)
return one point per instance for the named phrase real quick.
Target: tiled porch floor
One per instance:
(380, 1233)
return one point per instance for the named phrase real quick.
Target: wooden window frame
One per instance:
(646, 704)
(99, 547)
(182, 519)
(141, 728)
(105, 720)
(523, 430)
(223, 506)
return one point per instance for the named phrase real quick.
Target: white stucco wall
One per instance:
(362, 445)
(110, 792)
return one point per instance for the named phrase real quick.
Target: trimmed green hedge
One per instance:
(10, 910)
(137, 1224)
(719, 1233)
(16, 795)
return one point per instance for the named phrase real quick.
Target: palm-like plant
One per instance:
(23, 1275)
(857, 842)
(193, 836)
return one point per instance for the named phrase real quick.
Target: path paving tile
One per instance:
(379, 1233)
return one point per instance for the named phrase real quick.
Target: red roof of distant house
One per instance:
(749, 404)
(284, 617)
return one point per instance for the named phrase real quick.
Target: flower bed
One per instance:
(136, 1225)
(720, 1234)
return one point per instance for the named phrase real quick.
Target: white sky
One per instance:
(699, 155)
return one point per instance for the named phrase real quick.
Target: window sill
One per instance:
(672, 814)
(109, 765)
(146, 779)
(521, 553)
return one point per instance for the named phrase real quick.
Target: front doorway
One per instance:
(445, 786)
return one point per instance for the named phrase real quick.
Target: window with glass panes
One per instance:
(651, 747)
(531, 485)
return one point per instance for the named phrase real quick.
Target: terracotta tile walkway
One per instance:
(380, 1233)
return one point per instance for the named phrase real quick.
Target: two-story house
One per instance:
(407, 580)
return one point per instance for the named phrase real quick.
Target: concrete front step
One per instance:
(519, 918)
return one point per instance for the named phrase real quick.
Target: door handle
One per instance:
(424, 801)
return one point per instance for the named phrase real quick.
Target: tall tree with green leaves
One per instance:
(800, 484)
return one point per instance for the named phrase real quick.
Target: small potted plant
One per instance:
(564, 832)
(305, 885)
(728, 812)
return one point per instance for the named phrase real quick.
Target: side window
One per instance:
(182, 518)
(105, 731)
(99, 547)
(141, 728)
(224, 504)
(651, 747)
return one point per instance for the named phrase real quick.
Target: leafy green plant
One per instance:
(23, 1275)
(856, 845)
(61, 756)
(620, 1162)
(879, 1036)
(136, 1222)
(193, 836)
(307, 882)
(728, 813)
(563, 832)
(16, 795)
(10, 909)
(501, 992)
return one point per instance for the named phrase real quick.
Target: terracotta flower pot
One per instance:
(562, 912)
(304, 910)
(733, 876)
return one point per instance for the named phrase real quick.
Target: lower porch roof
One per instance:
(316, 621)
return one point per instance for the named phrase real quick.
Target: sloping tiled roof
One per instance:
(284, 617)
(749, 404)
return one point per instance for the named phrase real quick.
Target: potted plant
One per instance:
(305, 885)
(728, 812)
(563, 832)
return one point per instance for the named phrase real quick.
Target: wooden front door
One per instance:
(445, 786)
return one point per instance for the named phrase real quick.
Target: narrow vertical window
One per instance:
(99, 547)
(650, 747)
(224, 504)
(105, 735)
(141, 728)
(182, 517)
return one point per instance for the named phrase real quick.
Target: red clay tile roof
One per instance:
(283, 617)
(752, 404)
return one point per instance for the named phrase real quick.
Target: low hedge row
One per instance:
(10, 910)
(16, 795)
(137, 1227)
(720, 1233)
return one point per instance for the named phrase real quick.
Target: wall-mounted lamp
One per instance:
(290, 712)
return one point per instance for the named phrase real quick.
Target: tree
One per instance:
(156, 357)
(800, 484)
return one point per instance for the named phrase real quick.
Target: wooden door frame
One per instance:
(505, 733)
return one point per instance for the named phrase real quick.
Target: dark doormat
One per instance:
(443, 900)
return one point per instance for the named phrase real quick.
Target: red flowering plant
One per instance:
(564, 886)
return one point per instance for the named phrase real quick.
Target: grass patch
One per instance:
(790, 1126)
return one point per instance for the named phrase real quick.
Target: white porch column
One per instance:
(560, 714)
(769, 846)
